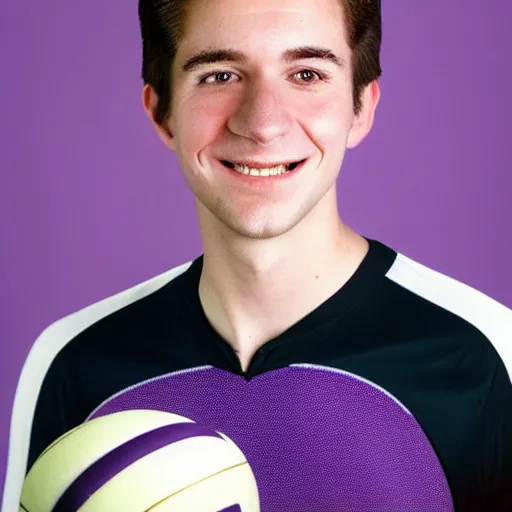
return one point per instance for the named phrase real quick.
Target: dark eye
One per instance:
(308, 75)
(219, 77)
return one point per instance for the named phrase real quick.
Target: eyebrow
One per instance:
(229, 55)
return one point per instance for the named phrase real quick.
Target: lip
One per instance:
(264, 179)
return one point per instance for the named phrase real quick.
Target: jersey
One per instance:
(393, 395)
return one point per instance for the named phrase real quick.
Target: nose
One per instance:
(263, 114)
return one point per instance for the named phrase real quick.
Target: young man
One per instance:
(352, 377)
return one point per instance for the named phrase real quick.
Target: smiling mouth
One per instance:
(268, 171)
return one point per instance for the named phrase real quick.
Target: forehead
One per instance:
(248, 7)
(263, 24)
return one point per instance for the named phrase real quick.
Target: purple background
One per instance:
(91, 202)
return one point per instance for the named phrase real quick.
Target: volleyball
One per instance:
(141, 461)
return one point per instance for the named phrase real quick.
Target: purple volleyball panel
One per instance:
(317, 439)
(108, 466)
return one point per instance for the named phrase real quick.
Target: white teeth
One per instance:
(273, 171)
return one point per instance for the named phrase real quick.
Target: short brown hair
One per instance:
(162, 21)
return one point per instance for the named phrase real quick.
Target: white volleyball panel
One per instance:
(164, 472)
(67, 457)
(233, 486)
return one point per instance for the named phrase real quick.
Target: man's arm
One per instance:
(496, 466)
(38, 415)
(52, 416)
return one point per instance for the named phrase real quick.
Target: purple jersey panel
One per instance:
(317, 439)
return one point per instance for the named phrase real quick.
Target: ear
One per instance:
(363, 122)
(150, 102)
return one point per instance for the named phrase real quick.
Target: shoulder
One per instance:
(491, 318)
(47, 359)
(60, 333)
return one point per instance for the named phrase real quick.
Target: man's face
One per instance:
(264, 109)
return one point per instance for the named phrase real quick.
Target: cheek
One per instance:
(207, 106)
(199, 124)
(327, 120)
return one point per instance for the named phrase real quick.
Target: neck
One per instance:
(253, 290)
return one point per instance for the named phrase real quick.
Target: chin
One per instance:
(266, 233)
(254, 221)
(259, 227)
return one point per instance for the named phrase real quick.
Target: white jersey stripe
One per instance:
(493, 319)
